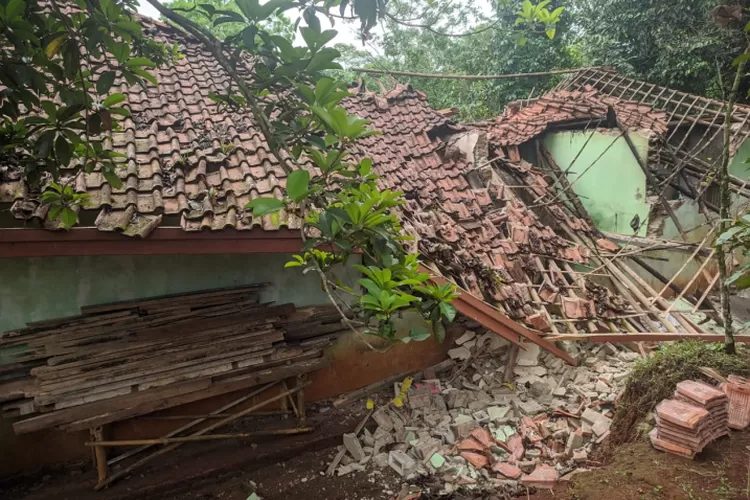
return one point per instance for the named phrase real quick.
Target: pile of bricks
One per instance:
(697, 415)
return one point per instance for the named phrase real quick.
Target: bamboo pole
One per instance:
(197, 421)
(211, 415)
(690, 283)
(127, 470)
(469, 77)
(189, 439)
(682, 268)
(705, 293)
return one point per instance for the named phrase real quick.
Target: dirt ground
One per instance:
(290, 469)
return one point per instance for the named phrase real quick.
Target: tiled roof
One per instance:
(180, 171)
(523, 120)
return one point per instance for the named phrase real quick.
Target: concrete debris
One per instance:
(354, 447)
(479, 433)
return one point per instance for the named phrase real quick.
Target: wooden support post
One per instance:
(289, 399)
(100, 454)
(301, 417)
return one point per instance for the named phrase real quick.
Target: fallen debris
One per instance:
(472, 430)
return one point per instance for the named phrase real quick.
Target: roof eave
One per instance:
(162, 241)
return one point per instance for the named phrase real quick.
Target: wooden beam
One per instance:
(646, 337)
(162, 241)
(495, 321)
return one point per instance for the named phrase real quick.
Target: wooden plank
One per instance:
(16, 389)
(117, 356)
(83, 395)
(258, 378)
(111, 369)
(52, 419)
(116, 306)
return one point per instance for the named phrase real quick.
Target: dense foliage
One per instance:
(675, 44)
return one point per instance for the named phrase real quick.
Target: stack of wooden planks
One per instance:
(121, 360)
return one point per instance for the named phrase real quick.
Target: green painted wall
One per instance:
(737, 166)
(613, 190)
(34, 289)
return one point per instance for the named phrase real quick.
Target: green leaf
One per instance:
(54, 46)
(263, 206)
(137, 62)
(439, 329)
(105, 81)
(551, 33)
(419, 334)
(63, 150)
(112, 178)
(14, 9)
(69, 217)
(297, 184)
(113, 99)
(448, 310)
(741, 59)
(727, 235)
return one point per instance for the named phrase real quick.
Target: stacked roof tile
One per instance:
(526, 119)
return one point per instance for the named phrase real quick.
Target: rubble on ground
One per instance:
(473, 430)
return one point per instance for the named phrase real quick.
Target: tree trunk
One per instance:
(726, 203)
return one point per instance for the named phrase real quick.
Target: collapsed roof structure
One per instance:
(491, 209)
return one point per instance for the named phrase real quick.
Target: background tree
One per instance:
(668, 43)
(459, 38)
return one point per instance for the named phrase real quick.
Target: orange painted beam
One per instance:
(647, 337)
(495, 321)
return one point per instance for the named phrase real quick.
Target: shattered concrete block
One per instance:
(381, 417)
(481, 416)
(461, 399)
(425, 448)
(354, 447)
(560, 392)
(528, 356)
(402, 463)
(418, 400)
(459, 353)
(463, 425)
(601, 387)
(467, 336)
(575, 441)
(438, 402)
(526, 371)
(601, 427)
(446, 435)
(530, 407)
(580, 456)
(497, 413)
(591, 416)
(380, 460)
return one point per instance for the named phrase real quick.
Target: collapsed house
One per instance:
(492, 207)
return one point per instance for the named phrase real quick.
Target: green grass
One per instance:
(655, 379)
